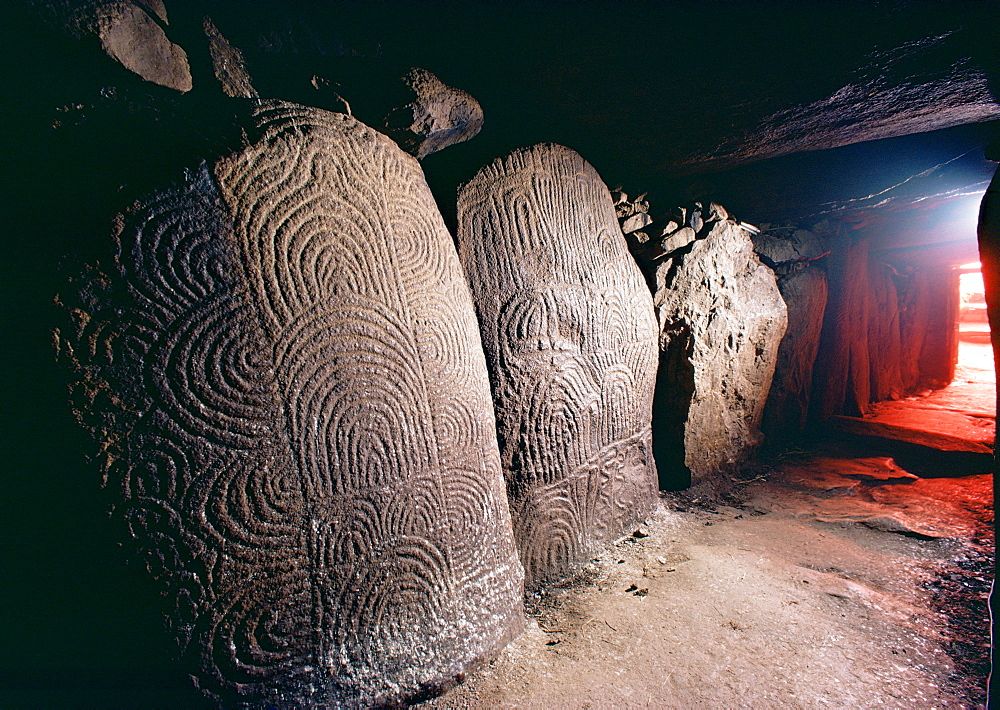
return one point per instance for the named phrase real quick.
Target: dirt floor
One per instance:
(827, 577)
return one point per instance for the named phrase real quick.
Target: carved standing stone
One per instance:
(570, 340)
(299, 423)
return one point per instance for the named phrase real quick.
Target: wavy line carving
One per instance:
(303, 440)
(570, 339)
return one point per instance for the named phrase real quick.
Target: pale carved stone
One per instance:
(299, 429)
(570, 340)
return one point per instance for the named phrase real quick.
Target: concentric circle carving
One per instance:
(302, 441)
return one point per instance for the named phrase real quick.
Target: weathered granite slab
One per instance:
(570, 339)
(721, 320)
(295, 417)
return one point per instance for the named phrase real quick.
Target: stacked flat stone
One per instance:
(653, 239)
(633, 215)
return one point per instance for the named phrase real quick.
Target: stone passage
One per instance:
(570, 341)
(300, 424)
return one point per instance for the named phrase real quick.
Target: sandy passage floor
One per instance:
(833, 578)
(797, 590)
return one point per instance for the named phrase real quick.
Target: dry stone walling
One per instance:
(570, 340)
(298, 421)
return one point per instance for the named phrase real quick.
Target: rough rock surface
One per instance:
(674, 240)
(437, 117)
(915, 300)
(793, 254)
(886, 332)
(289, 392)
(787, 246)
(804, 292)
(940, 349)
(131, 37)
(884, 98)
(155, 7)
(843, 369)
(228, 64)
(570, 341)
(884, 347)
(721, 320)
(638, 221)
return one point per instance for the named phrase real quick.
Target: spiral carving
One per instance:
(303, 443)
(570, 340)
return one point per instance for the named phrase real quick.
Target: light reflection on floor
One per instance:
(975, 355)
(966, 408)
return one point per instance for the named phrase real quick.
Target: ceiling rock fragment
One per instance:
(131, 37)
(786, 247)
(228, 64)
(438, 116)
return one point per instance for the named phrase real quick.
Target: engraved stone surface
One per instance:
(570, 340)
(295, 415)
